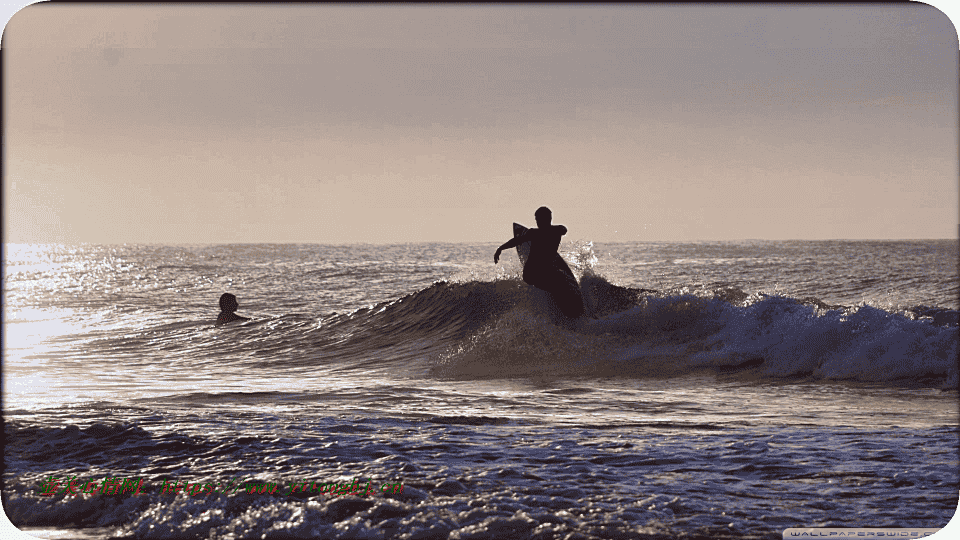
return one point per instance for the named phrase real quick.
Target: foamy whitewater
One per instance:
(727, 390)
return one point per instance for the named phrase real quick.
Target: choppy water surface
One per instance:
(727, 390)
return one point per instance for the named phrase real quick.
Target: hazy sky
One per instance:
(339, 124)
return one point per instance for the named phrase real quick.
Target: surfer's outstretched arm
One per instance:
(512, 243)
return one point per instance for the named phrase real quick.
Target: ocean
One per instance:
(416, 391)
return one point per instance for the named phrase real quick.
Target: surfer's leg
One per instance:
(536, 276)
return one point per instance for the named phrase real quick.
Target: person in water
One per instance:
(545, 268)
(228, 307)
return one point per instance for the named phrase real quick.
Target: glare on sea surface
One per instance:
(30, 333)
(32, 329)
(29, 337)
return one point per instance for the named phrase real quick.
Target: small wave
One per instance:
(190, 268)
(469, 420)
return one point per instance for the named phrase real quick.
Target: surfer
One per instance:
(545, 268)
(228, 306)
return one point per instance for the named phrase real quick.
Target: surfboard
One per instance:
(563, 284)
(523, 250)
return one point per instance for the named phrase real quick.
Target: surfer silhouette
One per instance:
(228, 307)
(544, 268)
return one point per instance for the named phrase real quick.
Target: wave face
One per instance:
(505, 328)
(645, 333)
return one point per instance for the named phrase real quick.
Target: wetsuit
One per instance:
(545, 269)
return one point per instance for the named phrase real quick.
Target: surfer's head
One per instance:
(228, 302)
(543, 215)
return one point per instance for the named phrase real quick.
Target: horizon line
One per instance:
(180, 243)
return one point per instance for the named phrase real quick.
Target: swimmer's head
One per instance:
(228, 302)
(543, 216)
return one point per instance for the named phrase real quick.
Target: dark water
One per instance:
(728, 390)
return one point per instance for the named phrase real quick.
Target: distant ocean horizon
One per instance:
(471, 242)
(728, 389)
